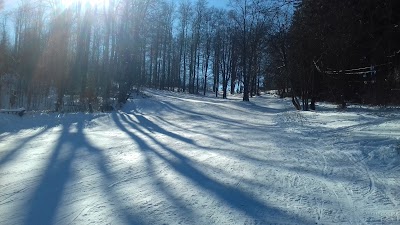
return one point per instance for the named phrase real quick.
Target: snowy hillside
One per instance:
(171, 158)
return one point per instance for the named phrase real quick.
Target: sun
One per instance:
(67, 3)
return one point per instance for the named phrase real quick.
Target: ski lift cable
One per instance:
(356, 71)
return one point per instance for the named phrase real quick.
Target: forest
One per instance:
(158, 112)
(88, 57)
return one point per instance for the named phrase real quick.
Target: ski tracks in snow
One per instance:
(184, 159)
(328, 177)
(361, 190)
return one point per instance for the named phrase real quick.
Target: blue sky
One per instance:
(219, 3)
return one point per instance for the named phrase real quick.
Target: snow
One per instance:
(171, 158)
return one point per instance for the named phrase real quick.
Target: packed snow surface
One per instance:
(171, 158)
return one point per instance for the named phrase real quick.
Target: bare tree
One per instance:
(184, 13)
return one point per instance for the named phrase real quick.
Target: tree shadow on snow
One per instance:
(43, 126)
(232, 196)
(45, 202)
(13, 153)
(147, 151)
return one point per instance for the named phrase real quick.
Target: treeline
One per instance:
(91, 53)
(340, 51)
(54, 56)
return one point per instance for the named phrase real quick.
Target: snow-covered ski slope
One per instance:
(172, 158)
